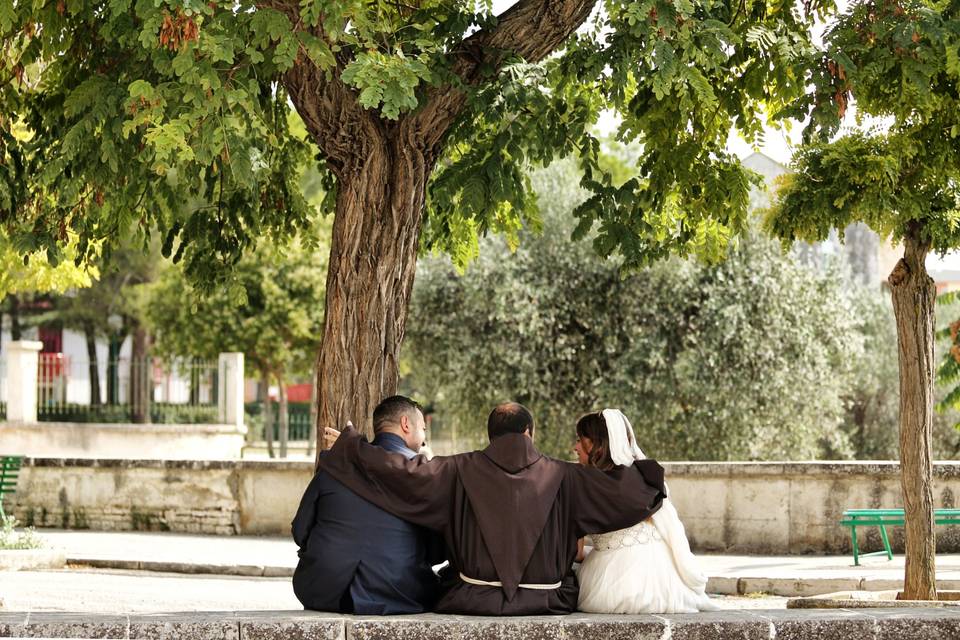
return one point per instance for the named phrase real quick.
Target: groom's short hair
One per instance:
(509, 417)
(391, 409)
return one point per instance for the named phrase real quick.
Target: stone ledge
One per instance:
(163, 566)
(873, 624)
(873, 468)
(156, 427)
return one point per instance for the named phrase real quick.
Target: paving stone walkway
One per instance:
(276, 557)
(133, 592)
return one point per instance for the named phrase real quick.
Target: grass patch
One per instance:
(10, 538)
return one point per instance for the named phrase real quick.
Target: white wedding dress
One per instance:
(646, 568)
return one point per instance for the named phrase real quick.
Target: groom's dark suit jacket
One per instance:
(357, 558)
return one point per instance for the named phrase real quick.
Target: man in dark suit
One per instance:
(355, 557)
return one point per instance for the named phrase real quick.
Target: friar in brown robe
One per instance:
(509, 515)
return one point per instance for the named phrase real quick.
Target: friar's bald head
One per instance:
(509, 417)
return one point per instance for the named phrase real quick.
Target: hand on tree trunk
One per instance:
(330, 436)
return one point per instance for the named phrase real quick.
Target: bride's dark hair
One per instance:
(593, 427)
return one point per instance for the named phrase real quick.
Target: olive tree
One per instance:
(752, 358)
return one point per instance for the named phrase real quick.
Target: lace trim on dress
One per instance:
(639, 534)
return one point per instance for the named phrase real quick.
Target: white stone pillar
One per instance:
(23, 358)
(230, 389)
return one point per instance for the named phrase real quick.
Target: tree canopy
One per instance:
(173, 114)
(900, 61)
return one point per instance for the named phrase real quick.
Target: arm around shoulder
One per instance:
(609, 500)
(417, 490)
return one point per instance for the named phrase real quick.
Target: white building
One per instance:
(65, 370)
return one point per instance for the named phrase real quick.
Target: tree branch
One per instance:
(342, 128)
(336, 121)
(329, 109)
(530, 29)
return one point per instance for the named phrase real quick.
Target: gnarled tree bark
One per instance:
(914, 297)
(382, 168)
(373, 257)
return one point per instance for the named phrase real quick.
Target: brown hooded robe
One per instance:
(507, 514)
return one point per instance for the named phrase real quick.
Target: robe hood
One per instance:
(512, 452)
(511, 488)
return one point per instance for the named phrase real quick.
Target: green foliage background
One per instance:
(755, 358)
(278, 327)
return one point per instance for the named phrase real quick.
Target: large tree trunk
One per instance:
(914, 297)
(382, 168)
(140, 376)
(93, 366)
(373, 255)
(313, 414)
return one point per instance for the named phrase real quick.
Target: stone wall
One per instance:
(192, 496)
(794, 507)
(92, 440)
(773, 508)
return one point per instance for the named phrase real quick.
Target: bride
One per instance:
(646, 568)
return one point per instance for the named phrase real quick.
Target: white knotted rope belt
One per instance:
(522, 585)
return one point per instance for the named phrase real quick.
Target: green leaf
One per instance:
(317, 50)
(8, 16)
(269, 25)
(285, 53)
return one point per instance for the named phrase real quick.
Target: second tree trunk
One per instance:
(914, 299)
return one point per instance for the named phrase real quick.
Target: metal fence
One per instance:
(298, 415)
(126, 390)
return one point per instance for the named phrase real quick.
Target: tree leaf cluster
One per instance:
(150, 118)
(676, 75)
(170, 116)
(898, 60)
(34, 274)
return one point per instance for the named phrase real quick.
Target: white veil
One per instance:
(624, 451)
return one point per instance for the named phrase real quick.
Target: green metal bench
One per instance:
(884, 518)
(9, 470)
